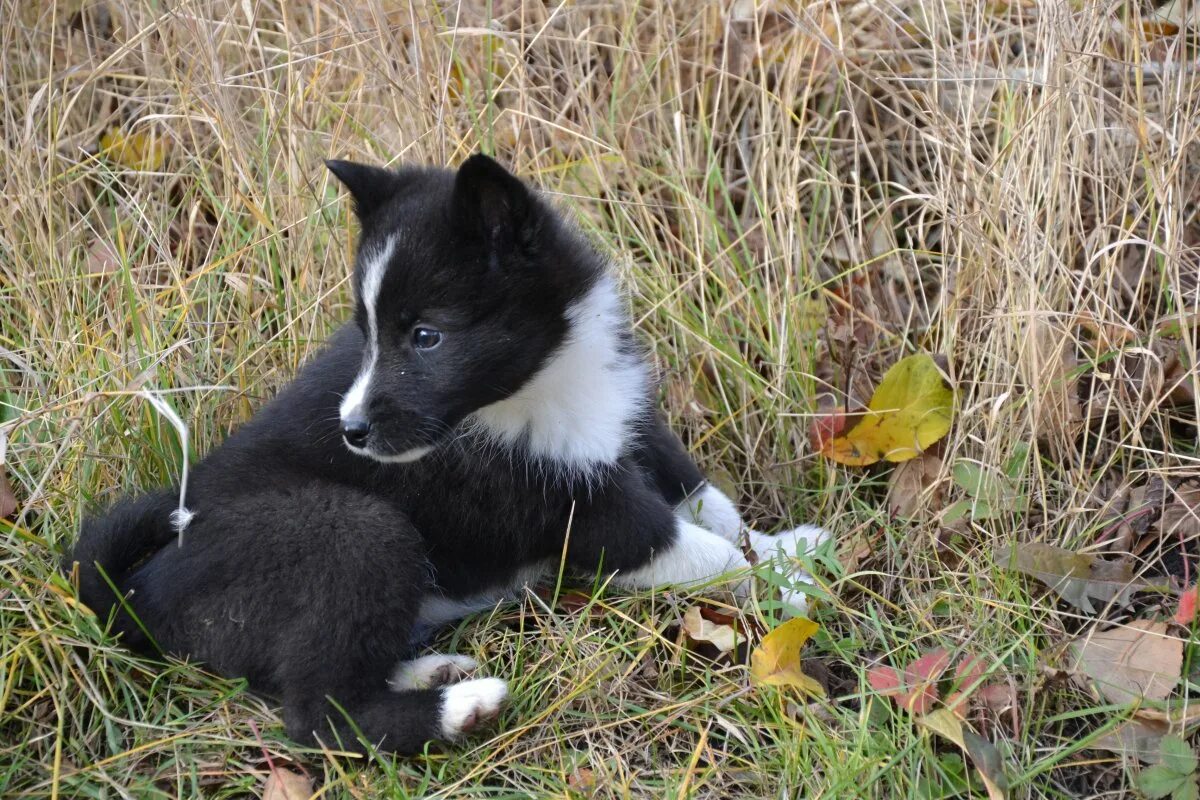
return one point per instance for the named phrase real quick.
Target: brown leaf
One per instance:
(101, 258)
(1129, 662)
(8, 500)
(1076, 577)
(1181, 518)
(1053, 382)
(283, 784)
(910, 484)
(999, 698)
(1137, 738)
(724, 637)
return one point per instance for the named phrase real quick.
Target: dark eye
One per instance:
(426, 338)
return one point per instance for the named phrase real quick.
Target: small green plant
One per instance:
(1175, 775)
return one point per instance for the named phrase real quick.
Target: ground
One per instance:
(797, 196)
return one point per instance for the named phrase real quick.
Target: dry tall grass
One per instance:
(798, 194)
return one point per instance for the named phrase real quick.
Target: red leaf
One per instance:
(930, 666)
(966, 680)
(884, 680)
(1187, 607)
(825, 427)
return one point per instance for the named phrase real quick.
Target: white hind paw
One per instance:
(781, 549)
(470, 704)
(432, 671)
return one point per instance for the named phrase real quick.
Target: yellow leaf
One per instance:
(982, 752)
(911, 409)
(776, 661)
(142, 150)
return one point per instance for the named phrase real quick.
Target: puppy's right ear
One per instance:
(370, 187)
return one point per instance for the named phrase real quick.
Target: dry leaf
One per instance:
(8, 500)
(723, 637)
(825, 427)
(1129, 662)
(999, 698)
(1076, 577)
(101, 258)
(142, 150)
(1137, 738)
(776, 660)
(983, 753)
(1053, 380)
(910, 410)
(916, 690)
(909, 484)
(967, 676)
(1186, 613)
(283, 784)
(1181, 518)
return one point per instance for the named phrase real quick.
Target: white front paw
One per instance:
(432, 671)
(781, 550)
(712, 510)
(467, 705)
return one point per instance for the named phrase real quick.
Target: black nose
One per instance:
(355, 430)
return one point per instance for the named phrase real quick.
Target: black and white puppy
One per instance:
(487, 412)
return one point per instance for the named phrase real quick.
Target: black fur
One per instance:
(306, 564)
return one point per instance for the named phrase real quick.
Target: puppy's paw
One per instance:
(780, 551)
(432, 671)
(789, 544)
(712, 510)
(471, 704)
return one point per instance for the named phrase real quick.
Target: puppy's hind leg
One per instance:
(398, 721)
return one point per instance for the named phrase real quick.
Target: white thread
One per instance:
(182, 516)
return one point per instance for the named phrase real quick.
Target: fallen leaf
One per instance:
(1130, 662)
(8, 500)
(1137, 738)
(969, 673)
(723, 637)
(101, 258)
(1051, 374)
(141, 150)
(917, 689)
(1077, 578)
(999, 698)
(983, 754)
(1186, 613)
(776, 661)
(1180, 518)
(910, 484)
(583, 780)
(825, 427)
(911, 409)
(283, 784)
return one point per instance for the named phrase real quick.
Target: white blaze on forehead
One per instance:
(373, 267)
(580, 408)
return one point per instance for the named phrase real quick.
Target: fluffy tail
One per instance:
(125, 535)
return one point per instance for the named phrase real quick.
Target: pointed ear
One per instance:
(489, 201)
(370, 186)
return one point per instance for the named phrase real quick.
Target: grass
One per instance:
(797, 197)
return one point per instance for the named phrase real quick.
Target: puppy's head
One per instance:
(462, 282)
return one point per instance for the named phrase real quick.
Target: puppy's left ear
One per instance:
(370, 187)
(489, 202)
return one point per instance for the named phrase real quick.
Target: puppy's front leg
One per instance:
(694, 555)
(630, 530)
